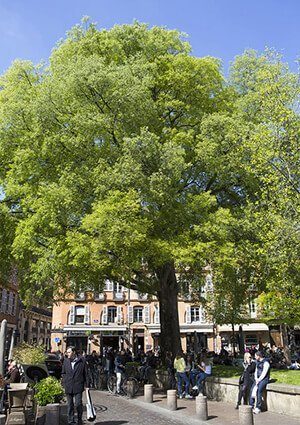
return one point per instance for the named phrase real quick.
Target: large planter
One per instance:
(40, 418)
(50, 414)
(29, 373)
(160, 379)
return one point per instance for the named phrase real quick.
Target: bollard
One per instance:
(172, 399)
(245, 415)
(52, 414)
(2, 419)
(201, 407)
(3, 334)
(148, 393)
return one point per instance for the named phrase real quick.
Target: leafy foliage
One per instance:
(127, 154)
(48, 390)
(29, 354)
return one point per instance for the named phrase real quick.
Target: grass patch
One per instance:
(290, 377)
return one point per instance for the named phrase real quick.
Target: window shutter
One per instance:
(3, 302)
(130, 314)
(188, 317)
(146, 313)
(119, 315)
(104, 315)
(87, 315)
(109, 286)
(15, 303)
(156, 315)
(72, 315)
(202, 314)
(10, 303)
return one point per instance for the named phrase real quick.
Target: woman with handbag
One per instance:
(246, 379)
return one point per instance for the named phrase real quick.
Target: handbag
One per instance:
(90, 410)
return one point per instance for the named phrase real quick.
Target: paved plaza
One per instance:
(115, 410)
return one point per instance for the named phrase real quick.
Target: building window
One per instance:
(79, 314)
(111, 314)
(251, 340)
(109, 286)
(195, 314)
(138, 314)
(252, 306)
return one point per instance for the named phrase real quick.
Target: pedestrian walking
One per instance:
(74, 374)
(120, 368)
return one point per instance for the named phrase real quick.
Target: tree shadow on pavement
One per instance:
(111, 423)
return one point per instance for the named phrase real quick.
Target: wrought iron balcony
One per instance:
(99, 296)
(119, 296)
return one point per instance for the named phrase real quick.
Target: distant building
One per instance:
(34, 326)
(9, 307)
(120, 317)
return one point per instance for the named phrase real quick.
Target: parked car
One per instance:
(54, 366)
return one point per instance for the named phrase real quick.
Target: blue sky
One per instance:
(223, 28)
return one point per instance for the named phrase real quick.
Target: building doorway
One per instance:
(111, 341)
(138, 340)
(79, 342)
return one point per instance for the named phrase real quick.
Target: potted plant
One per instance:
(47, 391)
(26, 354)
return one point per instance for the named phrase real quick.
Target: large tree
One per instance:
(99, 157)
(129, 159)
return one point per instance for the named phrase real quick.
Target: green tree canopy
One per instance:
(128, 158)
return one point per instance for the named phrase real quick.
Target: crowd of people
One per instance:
(187, 372)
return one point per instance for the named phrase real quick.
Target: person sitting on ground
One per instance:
(261, 377)
(205, 371)
(246, 379)
(180, 367)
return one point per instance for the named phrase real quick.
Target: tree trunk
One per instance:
(168, 310)
(285, 344)
(233, 340)
(241, 340)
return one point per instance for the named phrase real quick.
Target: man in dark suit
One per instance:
(74, 373)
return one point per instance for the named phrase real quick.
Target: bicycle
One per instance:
(129, 385)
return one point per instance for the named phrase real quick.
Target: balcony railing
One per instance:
(119, 296)
(80, 296)
(99, 296)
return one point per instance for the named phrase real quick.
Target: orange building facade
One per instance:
(120, 317)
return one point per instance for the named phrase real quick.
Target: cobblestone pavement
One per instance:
(114, 410)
